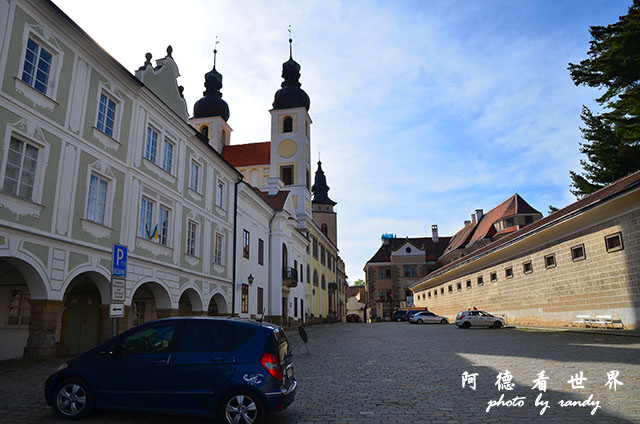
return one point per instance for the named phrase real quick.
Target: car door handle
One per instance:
(218, 358)
(159, 362)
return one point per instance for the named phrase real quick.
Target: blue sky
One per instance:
(423, 111)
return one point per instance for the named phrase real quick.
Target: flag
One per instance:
(154, 235)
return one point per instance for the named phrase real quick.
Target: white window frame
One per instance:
(146, 143)
(198, 183)
(19, 182)
(220, 193)
(107, 199)
(117, 118)
(43, 157)
(142, 231)
(218, 251)
(54, 69)
(164, 234)
(193, 229)
(168, 141)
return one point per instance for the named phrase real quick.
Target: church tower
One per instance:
(290, 138)
(211, 113)
(323, 213)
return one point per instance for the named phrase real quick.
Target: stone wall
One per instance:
(601, 283)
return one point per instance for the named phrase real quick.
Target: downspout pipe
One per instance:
(235, 242)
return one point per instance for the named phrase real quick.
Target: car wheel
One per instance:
(241, 407)
(72, 399)
(420, 321)
(443, 321)
(497, 324)
(466, 324)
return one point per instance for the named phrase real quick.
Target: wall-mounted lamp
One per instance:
(313, 291)
(250, 279)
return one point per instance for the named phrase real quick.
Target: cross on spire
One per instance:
(290, 43)
(215, 52)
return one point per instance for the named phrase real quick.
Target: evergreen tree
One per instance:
(612, 145)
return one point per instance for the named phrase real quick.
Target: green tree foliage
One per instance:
(358, 283)
(612, 145)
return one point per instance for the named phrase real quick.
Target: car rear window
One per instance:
(283, 343)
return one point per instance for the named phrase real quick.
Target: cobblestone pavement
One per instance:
(401, 373)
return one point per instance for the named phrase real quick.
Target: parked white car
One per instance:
(468, 319)
(427, 317)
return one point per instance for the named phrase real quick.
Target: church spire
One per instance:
(320, 188)
(212, 104)
(291, 95)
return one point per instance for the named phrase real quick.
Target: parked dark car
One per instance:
(399, 315)
(235, 369)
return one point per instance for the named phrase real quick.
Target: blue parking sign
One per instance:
(119, 260)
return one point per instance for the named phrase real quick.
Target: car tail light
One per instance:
(271, 363)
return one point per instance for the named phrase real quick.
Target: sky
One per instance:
(423, 111)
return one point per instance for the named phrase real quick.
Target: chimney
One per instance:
(473, 218)
(274, 185)
(479, 214)
(434, 233)
(467, 222)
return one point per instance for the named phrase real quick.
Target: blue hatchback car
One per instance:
(235, 369)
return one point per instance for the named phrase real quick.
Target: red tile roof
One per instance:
(461, 238)
(352, 291)
(248, 154)
(277, 201)
(630, 182)
(513, 205)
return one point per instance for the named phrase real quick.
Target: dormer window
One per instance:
(287, 124)
(509, 223)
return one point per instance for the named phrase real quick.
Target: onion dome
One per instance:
(212, 104)
(291, 95)
(320, 188)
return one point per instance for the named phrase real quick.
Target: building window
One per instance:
(381, 273)
(167, 159)
(287, 124)
(286, 174)
(315, 248)
(151, 146)
(21, 168)
(106, 114)
(308, 275)
(261, 252)
(387, 273)
(194, 176)
(139, 312)
(192, 235)
(528, 219)
(409, 270)
(613, 242)
(244, 306)
(324, 229)
(480, 280)
(322, 255)
(146, 215)
(246, 243)
(204, 130)
(19, 312)
(509, 222)
(429, 295)
(324, 283)
(493, 277)
(450, 288)
(442, 290)
(577, 253)
(219, 248)
(459, 286)
(96, 203)
(37, 66)
(315, 278)
(468, 284)
(508, 272)
(527, 267)
(163, 226)
(550, 261)
(219, 193)
(260, 301)
(223, 137)
(295, 307)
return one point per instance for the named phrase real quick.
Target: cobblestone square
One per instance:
(402, 373)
